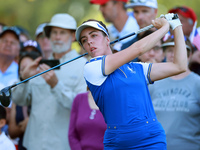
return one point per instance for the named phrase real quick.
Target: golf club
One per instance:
(5, 93)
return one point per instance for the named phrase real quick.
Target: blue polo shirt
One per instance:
(10, 76)
(122, 96)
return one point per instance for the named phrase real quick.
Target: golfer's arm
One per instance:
(179, 65)
(116, 60)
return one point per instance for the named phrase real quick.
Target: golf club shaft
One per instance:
(48, 70)
(139, 31)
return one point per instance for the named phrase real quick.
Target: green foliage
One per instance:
(30, 13)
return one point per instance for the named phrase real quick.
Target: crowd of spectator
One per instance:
(57, 111)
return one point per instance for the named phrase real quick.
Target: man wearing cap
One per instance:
(188, 19)
(144, 12)
(9, 50)
(51, 95)
(43, 41)
(20, 114)
(114, 12)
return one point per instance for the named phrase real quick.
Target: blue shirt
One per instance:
(123, 96)
(10, 75)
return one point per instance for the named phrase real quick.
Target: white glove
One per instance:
(173, 22)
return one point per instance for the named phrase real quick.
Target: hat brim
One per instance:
(98, 2)
(173, 44)
(132, 5)
(11, 31)
(92, 24)
(47, 29)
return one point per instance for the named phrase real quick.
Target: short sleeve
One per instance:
(94, 71)
(147, 70)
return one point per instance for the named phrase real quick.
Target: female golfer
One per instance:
(119, 87)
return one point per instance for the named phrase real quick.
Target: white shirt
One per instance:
(130, 27)
(6, 143)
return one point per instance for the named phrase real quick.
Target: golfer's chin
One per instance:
(95, 53)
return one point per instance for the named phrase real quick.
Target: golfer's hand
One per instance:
(160, 22)
(174, 22)
(50, 76)
(31, 69)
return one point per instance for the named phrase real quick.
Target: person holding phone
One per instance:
(51, 95)
(19, 115)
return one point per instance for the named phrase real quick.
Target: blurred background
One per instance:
(30, 13)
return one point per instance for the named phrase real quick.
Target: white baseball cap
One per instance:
(40, 29)
(62, 20)
(93, 24)
(147, 3)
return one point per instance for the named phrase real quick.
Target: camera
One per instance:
(51, 62)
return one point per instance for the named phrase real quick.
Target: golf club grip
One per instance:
(151, 26)
(175, 16)
(139, 31)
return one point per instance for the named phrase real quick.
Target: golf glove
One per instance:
(173, 22)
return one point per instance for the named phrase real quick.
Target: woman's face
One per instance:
(94, 42)
(24, 62)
